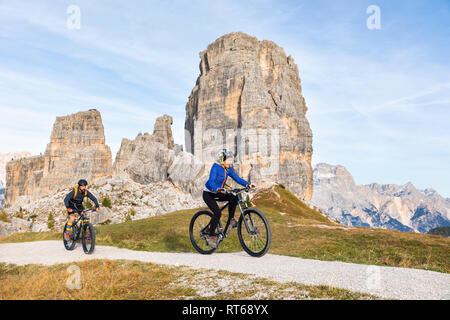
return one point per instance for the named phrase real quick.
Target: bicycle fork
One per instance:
(253, 229)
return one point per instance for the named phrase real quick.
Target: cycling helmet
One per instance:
(224, 154)
(82, 182)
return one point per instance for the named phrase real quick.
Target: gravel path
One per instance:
(386, 282)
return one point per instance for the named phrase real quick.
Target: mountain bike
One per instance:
(253, 228)
(82, 227)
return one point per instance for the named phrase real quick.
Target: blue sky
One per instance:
(378, 100)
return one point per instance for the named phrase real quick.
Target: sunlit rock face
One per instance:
(76, 150)
(248, 98)
(4, 159)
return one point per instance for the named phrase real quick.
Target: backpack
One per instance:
(76, 191)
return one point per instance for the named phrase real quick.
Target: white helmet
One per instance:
(224, 154)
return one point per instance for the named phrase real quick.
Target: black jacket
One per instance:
(74, 199)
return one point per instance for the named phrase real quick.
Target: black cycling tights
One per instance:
(210, 200)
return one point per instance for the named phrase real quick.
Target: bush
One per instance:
(108, 221)
(106, 202)
(4, 216)
(50, 221)
(19, 214)
(249, 203)
(87, 204)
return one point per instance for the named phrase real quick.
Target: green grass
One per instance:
(297, 231)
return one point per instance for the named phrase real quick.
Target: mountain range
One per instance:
(388, 206)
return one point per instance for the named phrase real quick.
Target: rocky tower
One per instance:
(162, 131)
(147, 158)
(76, 150)
(248, 98)
(5, 158)
(155, 158)
(23, 177)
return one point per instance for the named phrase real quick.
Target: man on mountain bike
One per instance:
(215, 190)
(74, 203)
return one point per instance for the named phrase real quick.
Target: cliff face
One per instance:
(4, 159)
(76, 150)
(389, 206)
(248, 98)
(23, 177)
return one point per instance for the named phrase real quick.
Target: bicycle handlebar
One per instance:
(237, 190)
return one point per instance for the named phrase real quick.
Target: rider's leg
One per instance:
(69, 224)
(208, 197)
(232, 203)
(232, 200)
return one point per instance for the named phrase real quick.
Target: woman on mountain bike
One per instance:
(215, 190)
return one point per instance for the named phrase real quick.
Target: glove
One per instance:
(69, 210)
(98, 208)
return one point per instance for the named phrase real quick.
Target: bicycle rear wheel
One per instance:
(254, 232)
(70, 243)
(198, 230)
(88, 238)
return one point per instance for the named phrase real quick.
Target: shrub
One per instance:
(107, 202)
(87, 204)
(19, 214)
(50, 221)
(249, 203)
(108, 221)
(4, 216)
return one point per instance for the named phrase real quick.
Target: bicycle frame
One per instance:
(242, 204)
(84, 219)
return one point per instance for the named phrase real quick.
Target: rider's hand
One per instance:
(223, 191)
(69, 210)
(98, 208)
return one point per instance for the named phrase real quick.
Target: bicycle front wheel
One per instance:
(198, 230)
(70, 243)
(254, 232)
(88, 238)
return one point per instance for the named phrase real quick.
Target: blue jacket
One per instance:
(218, 178)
